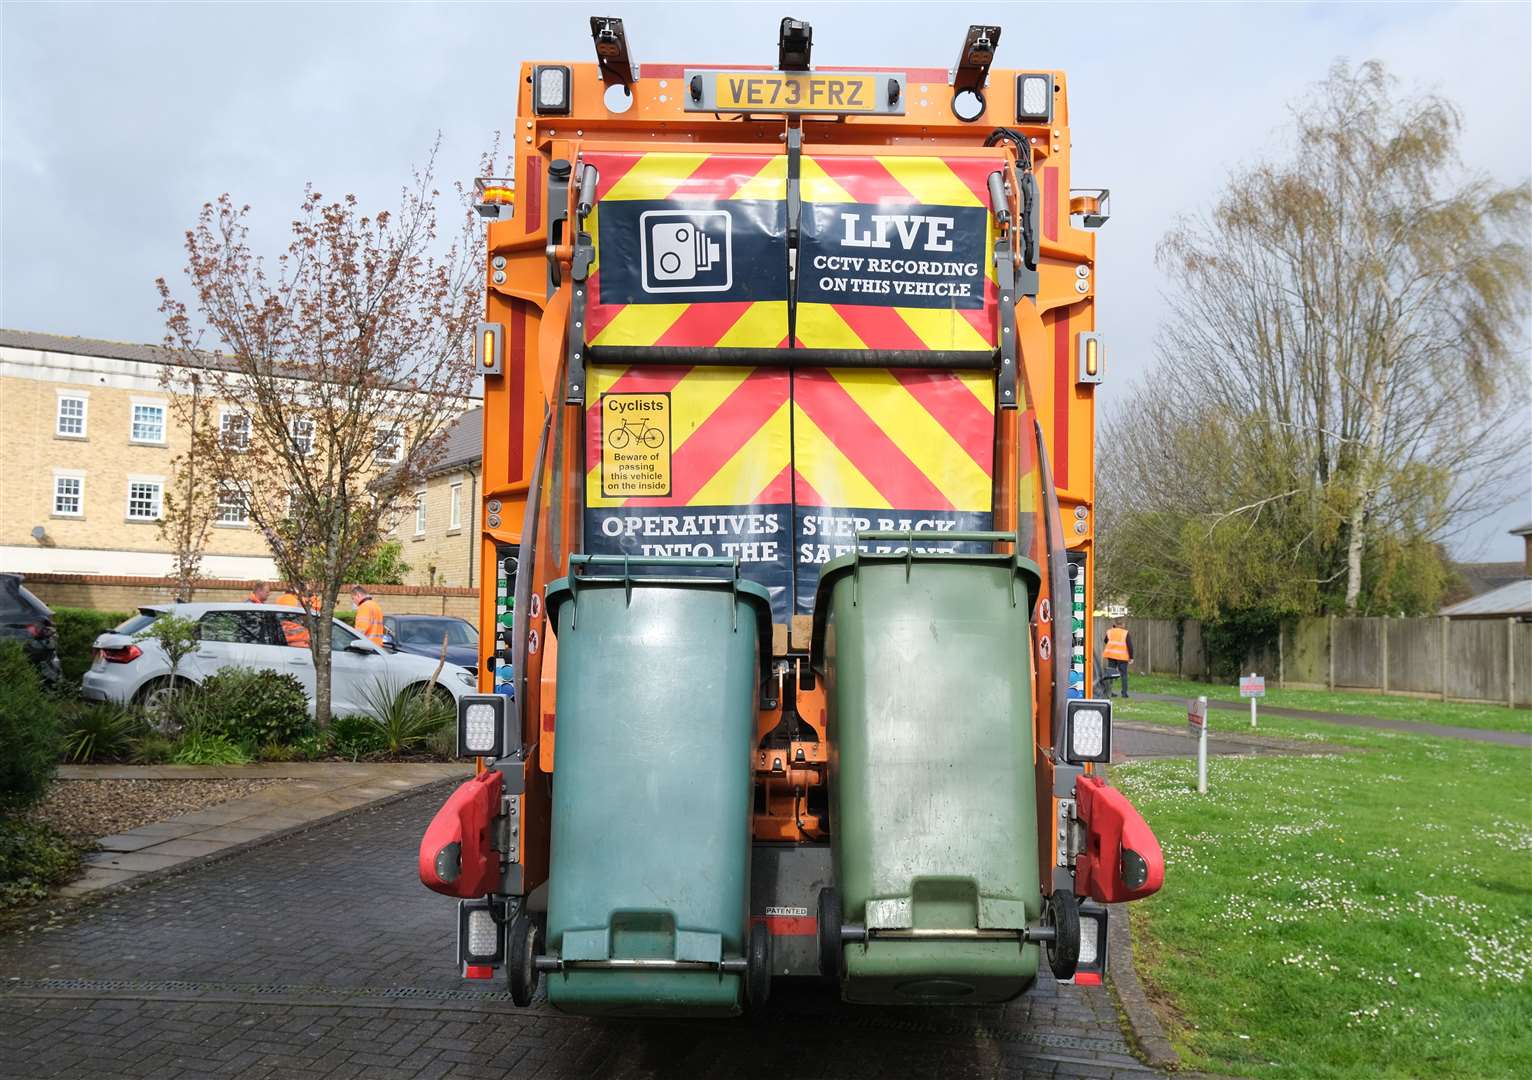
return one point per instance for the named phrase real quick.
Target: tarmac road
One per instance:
(321, 956)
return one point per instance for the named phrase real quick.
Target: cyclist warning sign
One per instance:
(635, 445)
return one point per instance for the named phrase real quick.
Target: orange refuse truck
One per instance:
(787, 521)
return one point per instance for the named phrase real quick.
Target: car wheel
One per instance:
(440, 696)
(156, 698)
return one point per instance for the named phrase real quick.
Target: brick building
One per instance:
(87, 442)
(441, 537)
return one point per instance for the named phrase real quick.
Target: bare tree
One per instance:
(1349, 320)
(190, 502)
(337, 374)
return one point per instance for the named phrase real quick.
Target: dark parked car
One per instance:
(422, 634)
(26, 619)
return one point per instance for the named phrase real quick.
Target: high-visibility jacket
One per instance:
(253, 599)
(369, 620)
(293, 630)
(1117, 645)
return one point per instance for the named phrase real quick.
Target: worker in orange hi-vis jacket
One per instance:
(294, 631)
(1119, 651)
(259, 593)
(369, 615)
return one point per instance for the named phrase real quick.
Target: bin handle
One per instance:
(909, 536)
(626, 561)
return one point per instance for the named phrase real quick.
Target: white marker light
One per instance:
(479, 723)
(483, 934)
(1089, 948)
(1088, 735)
(1034, 95)
(550, 86)
(1087, 731)
(1034, 99)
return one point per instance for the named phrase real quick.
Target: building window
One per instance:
(420, 513)
(148, 423)
(388, 447)
(302, 429)
(234, 430)
(69, 494)
(71, 417)
(233, 507)
(145, 498)
(455, 505)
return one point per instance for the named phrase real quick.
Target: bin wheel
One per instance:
(832, 953)
(758, 969)
(525, 941)
(1062, 912)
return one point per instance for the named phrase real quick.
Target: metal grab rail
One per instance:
(731, 965)
(853, 933)
(910, 536)
(627, 561)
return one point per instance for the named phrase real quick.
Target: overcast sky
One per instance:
(120, 120)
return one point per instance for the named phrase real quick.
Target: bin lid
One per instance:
(755, 595)
(838, 567)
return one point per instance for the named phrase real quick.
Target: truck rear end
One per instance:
(789, 444)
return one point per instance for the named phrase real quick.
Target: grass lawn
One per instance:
(1388, 706)
(1356, 914)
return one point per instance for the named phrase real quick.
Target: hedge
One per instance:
(77, 628)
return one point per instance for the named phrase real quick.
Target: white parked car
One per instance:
(128, 669)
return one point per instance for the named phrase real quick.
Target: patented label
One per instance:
(787, 912)
(635, 445)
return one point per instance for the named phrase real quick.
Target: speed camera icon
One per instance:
(686, 250)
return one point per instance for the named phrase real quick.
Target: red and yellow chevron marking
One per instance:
(671, 176)
(905, 439)
(730, 442)
(893, 180)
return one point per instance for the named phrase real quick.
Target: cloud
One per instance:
(120, 120)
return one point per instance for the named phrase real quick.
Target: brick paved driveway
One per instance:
(321, 956)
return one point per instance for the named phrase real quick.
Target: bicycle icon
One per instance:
(652, 437)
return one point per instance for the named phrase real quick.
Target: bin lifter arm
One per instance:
(1122, 859)
(456, 855)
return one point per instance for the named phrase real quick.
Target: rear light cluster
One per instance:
(123, 654)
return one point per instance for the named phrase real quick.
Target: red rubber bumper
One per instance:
(456, 857)
(1122, 858)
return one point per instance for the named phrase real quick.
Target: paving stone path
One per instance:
(320, 956)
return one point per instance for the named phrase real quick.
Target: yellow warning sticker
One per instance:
(635, 445)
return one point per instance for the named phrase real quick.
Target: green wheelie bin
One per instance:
(649, 873)
(927, 669)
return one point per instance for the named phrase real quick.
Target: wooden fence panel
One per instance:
(1415, 655)
(1193, 659)
(1476, 659)
(1358, 649)
(1306, 651)
(1521, 647)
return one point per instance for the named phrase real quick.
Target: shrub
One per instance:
(204, 748)
(29, 731)
(151, 748)
(32, 857)
(275, 751)
(313, 746)
(405, 720)
(100, 732)
(77, 628)
(253, 707)
(356, 735)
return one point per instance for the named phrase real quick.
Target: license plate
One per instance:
(834, 92)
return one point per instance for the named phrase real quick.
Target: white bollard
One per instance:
(1197, 716)
(1202, 750)
(1252, 712)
